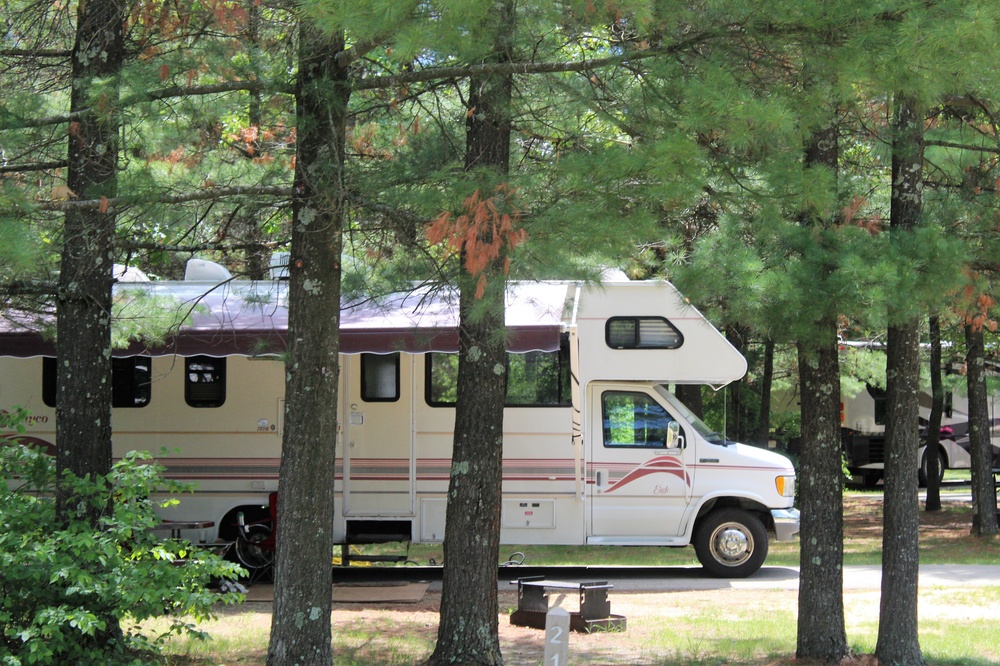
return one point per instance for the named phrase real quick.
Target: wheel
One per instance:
(731, 543)
(250, 555)
(870, 480)
(922, 472)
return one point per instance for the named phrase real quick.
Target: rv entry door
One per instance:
(378, 435)
(638, 474)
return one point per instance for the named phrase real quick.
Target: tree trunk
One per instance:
(821, 632)
(898, 642)
(300, 625)
(690, 395)
(766, 380)
(83, 306)
(468, 630)
(736, 426)
(984, 493)
(933, 468)
(821, 629)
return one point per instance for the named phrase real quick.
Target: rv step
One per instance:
(377, 538)
(377, 558)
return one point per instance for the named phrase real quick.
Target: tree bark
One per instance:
(468, 630)
(737, 425)
(898, 642)
(984, 493)
(766, 381)
(934, 462)
(821, 629)
(300, 626)
(690, 395)
(83, 306)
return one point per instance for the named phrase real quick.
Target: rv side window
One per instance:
(204, 381)
(131, 384)
(441, 379)
(642, 333)
(879, 397)
(380, 377)
(633, 419)
(534, 379)
(538, 379)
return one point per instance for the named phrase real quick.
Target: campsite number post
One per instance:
(557, 637)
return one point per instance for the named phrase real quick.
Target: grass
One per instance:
(714, 627)
(958, 626)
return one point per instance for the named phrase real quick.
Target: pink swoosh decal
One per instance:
(660, 465)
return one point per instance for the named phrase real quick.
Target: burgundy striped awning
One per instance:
(251, 318)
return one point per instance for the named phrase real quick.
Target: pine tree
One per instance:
(300, 625)
(984, 493)
(83, 304)
(898, 642)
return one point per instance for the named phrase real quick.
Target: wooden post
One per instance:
(557, 637)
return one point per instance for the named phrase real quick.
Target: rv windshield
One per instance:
(681, 410)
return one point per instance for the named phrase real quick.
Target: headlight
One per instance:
(785, 485)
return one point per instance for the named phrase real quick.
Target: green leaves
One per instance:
(68, 590)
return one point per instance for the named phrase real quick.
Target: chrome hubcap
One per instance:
(732, 544)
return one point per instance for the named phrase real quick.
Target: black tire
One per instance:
(249, 555)
(731, 543)
(870, 480)
(922, 471)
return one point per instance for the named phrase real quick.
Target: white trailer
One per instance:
(596, 448)
(863, 433)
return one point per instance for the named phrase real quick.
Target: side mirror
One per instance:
(673, 435)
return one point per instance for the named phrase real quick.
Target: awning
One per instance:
(251, 318)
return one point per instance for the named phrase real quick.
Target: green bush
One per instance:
(74, 593)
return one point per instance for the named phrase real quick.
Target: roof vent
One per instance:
(201, 270)
(123, 273)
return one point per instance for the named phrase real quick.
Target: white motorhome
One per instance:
(596, 448)
(863, 433)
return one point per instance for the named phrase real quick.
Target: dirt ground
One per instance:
(648, 614)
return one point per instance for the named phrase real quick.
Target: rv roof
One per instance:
(251, 318)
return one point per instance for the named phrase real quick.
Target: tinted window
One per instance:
(633, 420)
(534, 379)
(879, 397)
(642, 333)
(131, 381)
(380, 377)
(204, 381)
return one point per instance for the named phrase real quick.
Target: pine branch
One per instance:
(22, 288)
(963, 146)
(29, 53)
(201, 195)
(388, 211)
(9, 121)
(355, 53)
(41, 166)
(199, 247)
(501, 69)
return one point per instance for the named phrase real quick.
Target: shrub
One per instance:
(74, 592)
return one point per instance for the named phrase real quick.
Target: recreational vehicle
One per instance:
(863, 434)
(597, 450)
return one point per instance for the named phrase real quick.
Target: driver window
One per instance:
(633, 419)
